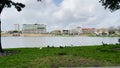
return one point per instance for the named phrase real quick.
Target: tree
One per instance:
(16, 31)
(8, 4)
(112, 5)
(111, 30)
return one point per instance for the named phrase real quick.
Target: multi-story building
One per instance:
(33, 28)
(102, 31)
(76, 31)
(88, 30)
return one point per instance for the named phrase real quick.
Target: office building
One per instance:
(33, 28)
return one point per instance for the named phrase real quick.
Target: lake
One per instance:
(19, 42)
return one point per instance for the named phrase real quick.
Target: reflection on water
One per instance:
(16, 42)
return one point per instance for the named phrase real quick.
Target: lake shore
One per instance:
(52, 35)
(54, 57)
(26, 35)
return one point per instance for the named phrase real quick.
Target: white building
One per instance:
(76, 31)
(102, 31)
(33, 28)
(17, 27)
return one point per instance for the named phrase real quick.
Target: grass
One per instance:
(82, 56)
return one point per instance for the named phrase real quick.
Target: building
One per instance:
(76, 31)
(17, 27)
(67, 32)
(88, 30)
(56, 32)
(102, 31)
(33, 28)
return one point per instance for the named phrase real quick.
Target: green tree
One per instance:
(112, 5)
(16, 31)
(8, 4)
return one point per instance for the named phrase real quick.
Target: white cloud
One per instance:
(69, 13)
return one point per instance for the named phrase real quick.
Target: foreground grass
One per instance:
(84, 56)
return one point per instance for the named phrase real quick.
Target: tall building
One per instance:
(33, 28)
(17, 27)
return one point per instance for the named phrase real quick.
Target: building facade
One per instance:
(56, 32)
(17, 27)
(66, 32)
(76, 31)
(33, 28)
(102, 31)
(88, 30)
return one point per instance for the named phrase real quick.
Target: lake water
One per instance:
(19, 42)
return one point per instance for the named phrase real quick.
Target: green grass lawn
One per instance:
(82, 56)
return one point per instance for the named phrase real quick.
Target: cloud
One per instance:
(68, 14)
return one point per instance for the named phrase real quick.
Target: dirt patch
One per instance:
(65, 61)
(116, 48)
(8, 52)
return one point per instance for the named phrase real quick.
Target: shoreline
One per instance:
(49, 35)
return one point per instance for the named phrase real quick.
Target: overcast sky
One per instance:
(60, 14)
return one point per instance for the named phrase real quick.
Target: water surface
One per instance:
(18, 42)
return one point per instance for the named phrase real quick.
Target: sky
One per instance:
(60, 14)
